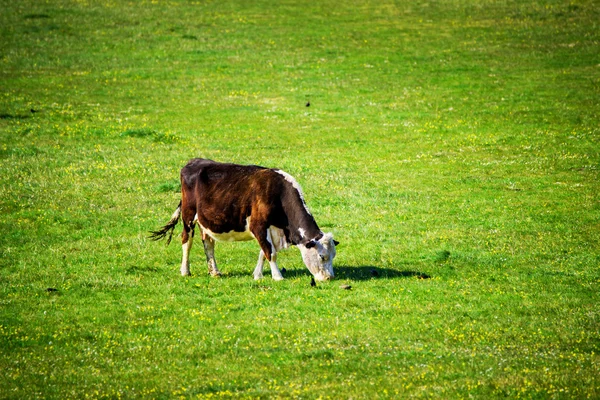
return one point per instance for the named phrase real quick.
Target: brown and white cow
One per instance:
(233, 202)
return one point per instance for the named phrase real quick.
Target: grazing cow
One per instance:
(237, 202)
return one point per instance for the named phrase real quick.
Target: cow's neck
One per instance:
(302, 227)
(305, 229)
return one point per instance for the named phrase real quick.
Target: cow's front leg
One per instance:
(209, 250)
(258, 271)
(263, 236)
(187, 237)
(275, 272)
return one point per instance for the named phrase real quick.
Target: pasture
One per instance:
(452, 147)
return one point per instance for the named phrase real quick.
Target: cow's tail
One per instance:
(168, 228)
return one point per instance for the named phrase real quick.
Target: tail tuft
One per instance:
(168, 228)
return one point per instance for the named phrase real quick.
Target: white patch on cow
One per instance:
(296, 186)
(302, 233)
(231, 236)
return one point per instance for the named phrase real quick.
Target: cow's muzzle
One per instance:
(323, 276)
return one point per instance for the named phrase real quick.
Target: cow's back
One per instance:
(208, 172)
(224, 195)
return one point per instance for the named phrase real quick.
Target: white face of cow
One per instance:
(318, 257)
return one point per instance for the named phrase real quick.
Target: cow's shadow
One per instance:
(354, 273)
(367, 272)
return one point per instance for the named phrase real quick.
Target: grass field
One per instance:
(452, 146)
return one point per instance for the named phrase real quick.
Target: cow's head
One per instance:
(318, 256)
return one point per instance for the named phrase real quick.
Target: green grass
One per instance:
(452, 146)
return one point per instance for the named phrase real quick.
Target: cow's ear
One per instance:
(336, 242)
(311, 244)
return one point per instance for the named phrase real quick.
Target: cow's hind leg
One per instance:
(187, 238)
(209, 250)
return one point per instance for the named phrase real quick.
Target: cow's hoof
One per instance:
(278, 278)
(185, 273)
(216, 274)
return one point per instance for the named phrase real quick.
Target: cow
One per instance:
(232, 202)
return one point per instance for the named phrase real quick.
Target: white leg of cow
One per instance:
(209, 250)
(185, 260)
(275, 272)
(263, 236)
(258, 271)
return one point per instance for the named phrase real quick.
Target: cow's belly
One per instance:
(231, 236)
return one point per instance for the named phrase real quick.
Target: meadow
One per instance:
(451, 146)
